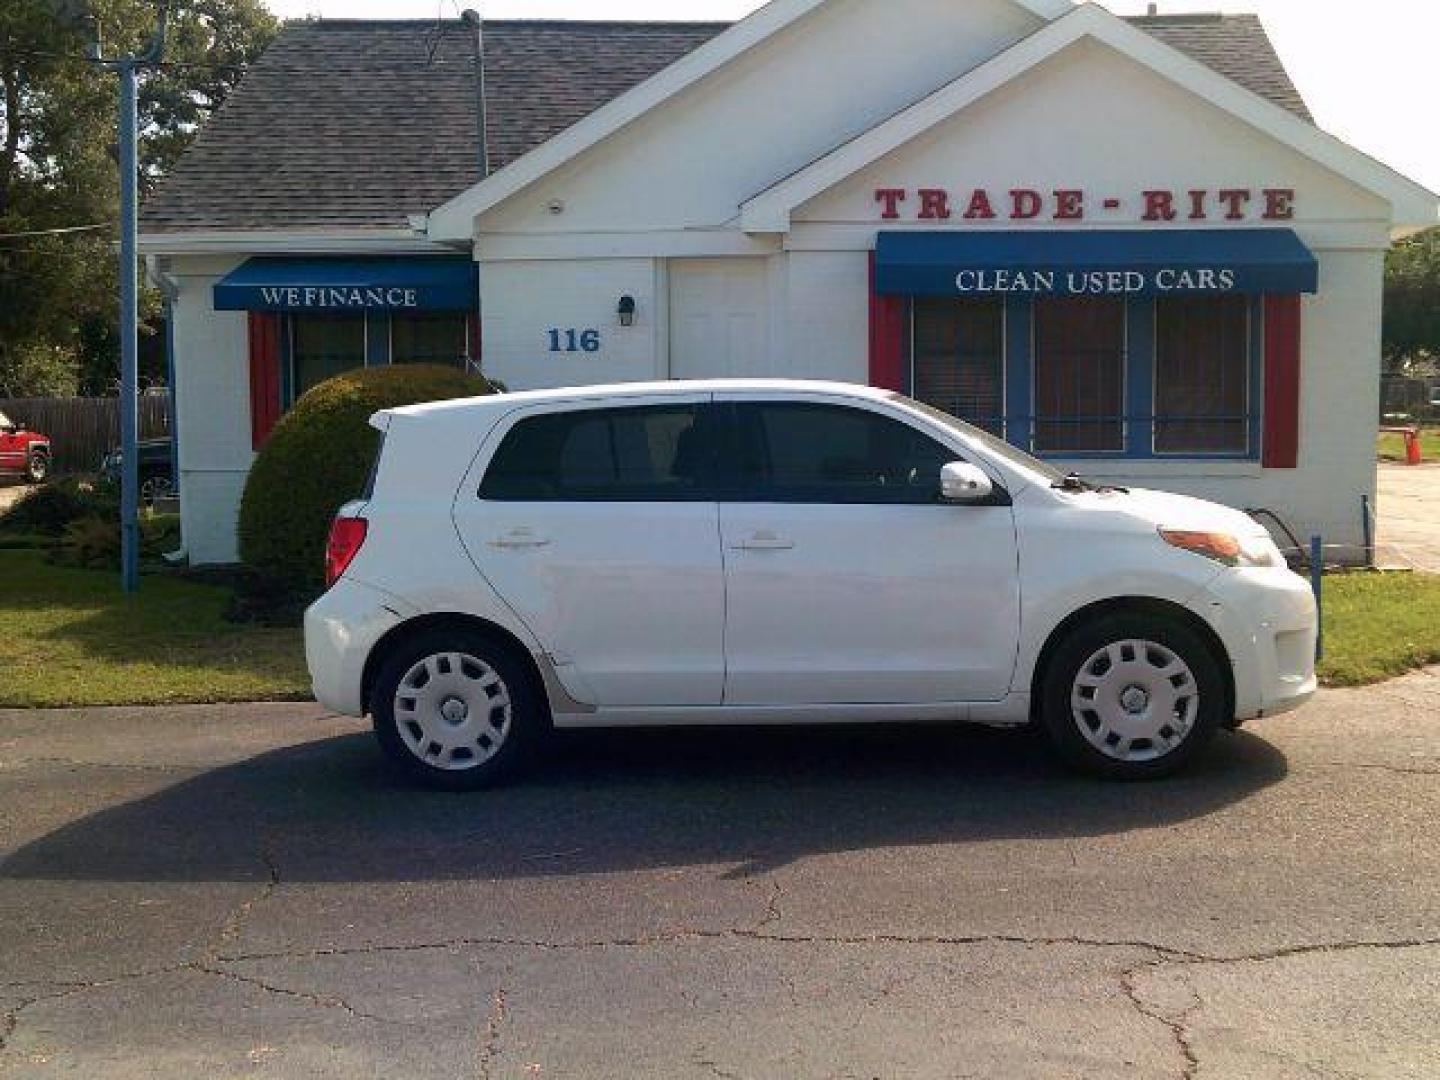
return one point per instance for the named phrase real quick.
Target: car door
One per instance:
(12, 450)
(598, 525)
(848, 580)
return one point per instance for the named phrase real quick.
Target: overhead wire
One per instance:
(60, 231)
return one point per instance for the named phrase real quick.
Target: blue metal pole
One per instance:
(1367, 522)
(1317, 583)
(129, 344)
(170, 386)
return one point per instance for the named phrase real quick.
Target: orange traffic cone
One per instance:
(1412, 448)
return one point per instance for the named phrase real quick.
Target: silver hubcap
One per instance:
(1135, 701)
(453, 711)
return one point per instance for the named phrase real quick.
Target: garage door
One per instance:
(719, 318)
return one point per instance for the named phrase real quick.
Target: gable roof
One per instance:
(357, 125)
(1412, 204)
(1234, 45)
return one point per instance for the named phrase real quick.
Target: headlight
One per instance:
(1226, 548)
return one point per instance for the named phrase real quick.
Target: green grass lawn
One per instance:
(70, 637)
(1379, 625)
(1392, 447)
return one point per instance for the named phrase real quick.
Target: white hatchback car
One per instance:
(763, 552)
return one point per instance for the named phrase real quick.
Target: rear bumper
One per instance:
(341, 630)
(1267, 621)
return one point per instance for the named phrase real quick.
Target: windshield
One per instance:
(992, 444)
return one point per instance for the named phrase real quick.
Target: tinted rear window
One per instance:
(659, 453)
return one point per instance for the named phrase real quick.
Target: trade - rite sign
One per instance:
(1073, 204)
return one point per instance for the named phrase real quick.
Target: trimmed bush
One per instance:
(94, 543)
(51, 509)
(317, 459)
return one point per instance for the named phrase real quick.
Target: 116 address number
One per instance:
(572, 341)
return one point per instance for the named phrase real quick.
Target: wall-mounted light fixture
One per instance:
(626, 310)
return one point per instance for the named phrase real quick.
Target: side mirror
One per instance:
(961, 482)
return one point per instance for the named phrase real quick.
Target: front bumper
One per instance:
(1267, 620)
(341, 630)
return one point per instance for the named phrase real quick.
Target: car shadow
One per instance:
(329, 811)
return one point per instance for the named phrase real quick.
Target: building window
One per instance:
(1202, 375)
(323, 346)
(1079, 367)
(1171, 376)
(959, 358)
(437, 338)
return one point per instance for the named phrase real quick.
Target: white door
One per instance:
(847, 580)
(719, 318)
(599, 528)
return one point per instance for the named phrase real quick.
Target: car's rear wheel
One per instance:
(1132, 696)
(37, 467)
(456, 709)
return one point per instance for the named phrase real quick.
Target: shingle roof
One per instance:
(350, 124)
(337, 124)
(1234, 45)
(541, 77)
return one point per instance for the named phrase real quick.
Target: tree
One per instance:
(1412, 303)
(58, 166)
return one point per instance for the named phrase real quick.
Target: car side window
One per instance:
(660, 453)
(797, 452)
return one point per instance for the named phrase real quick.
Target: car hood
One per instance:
(1165, 510)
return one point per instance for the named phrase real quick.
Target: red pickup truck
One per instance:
(23, 453)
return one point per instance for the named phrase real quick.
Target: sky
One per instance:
(1367, 69)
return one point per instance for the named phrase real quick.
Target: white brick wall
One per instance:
(521, 302)
(212, 387)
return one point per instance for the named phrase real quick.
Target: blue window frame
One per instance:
(1144, 378)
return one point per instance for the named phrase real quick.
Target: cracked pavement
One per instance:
(243, 891)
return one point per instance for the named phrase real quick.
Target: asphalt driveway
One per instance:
(243, 891)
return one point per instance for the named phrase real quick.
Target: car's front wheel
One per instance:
(37, 467)
(1132, 696)
(456, 709)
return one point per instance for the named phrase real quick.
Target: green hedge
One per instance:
(317, 459)
(51, 509)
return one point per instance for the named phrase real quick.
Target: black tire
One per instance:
(525, 723)
(37, 467)
(1064, 723)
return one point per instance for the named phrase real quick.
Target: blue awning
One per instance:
(1100, 263)
(421, 283)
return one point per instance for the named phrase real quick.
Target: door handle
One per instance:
(764, 541)
(519, 539)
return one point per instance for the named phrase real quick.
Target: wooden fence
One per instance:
(84, 430)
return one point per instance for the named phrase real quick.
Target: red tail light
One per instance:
(346, 536)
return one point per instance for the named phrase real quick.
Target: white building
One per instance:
(1121, 243)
